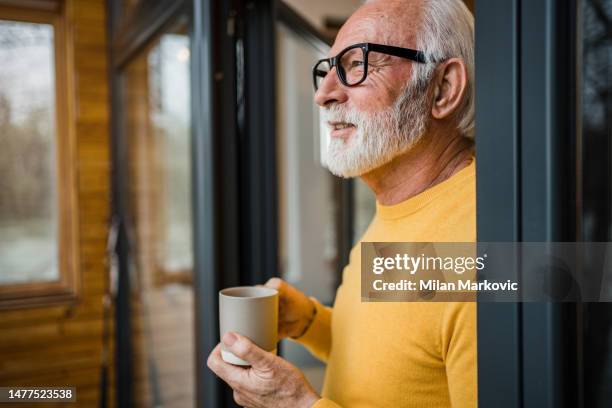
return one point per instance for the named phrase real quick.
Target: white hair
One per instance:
(447, 31)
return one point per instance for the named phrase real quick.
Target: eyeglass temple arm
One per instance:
(414, 55)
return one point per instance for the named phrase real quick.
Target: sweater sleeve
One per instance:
(459, 353)
(325, 403)
(317, 338)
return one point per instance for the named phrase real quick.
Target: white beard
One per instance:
(380, 136)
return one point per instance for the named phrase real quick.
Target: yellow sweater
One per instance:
(404, 354)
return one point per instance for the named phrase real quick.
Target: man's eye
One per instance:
(356, 64)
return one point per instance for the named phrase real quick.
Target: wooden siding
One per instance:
(62, 345)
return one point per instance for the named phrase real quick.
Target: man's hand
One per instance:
(296, 310)
(270, 381)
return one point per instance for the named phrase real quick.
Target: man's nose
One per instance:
(330, 90)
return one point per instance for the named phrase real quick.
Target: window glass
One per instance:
(28, 209)
(596, 127)
(170, 111)
(128, 7)
(157, 133)
(306, 189)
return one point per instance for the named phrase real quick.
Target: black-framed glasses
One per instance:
(352, 62)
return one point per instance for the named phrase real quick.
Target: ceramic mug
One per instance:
(251, 311)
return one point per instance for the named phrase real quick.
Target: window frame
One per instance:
(67, 287)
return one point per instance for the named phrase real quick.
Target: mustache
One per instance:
(338, 113)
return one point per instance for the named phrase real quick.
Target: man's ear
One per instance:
(450, 86)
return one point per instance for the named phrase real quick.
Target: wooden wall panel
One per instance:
(62, 345)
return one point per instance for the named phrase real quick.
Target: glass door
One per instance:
(307, 218)
(596, 129)
(157, 123)
(320, 216)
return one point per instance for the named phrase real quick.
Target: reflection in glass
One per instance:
(169, 103)
(596, 123)
(128, 7)
(157, 133)
(28, 209)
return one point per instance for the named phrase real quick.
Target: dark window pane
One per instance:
(597, 187)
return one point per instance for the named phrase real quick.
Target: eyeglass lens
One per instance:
(351, 68)
(321, 70)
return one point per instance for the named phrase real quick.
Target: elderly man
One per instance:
(397, 92)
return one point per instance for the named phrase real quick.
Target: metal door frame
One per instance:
(528, 167)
